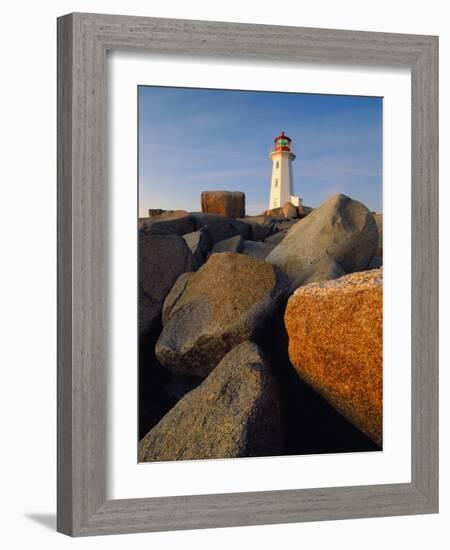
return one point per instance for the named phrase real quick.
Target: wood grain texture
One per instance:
(425, 272)
(64, 299)
(83, 40)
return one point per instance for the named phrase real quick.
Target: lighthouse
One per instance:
(282, 185)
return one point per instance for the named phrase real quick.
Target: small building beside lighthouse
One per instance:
(282, 185)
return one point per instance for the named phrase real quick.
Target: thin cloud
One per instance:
(185, 149)
(215, 175)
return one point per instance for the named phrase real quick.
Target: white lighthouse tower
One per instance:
(282, 186)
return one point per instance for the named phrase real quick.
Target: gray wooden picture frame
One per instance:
(83, 41)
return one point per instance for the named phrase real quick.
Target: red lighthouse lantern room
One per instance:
(282, 143)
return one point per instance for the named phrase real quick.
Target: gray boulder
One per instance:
(178, 222)
(303, 211)
(152, 212)
(314, 271)
(142, 224)
(341, 229)
(277, 237)
(257, 249)
(284, 225)
(227, 301)
(161, 215)
(199, 243)
(258, 232)
(260, 227)
(225, 203)
(376, 263)
(174, 294)
(162, 259)
(235, 412)
(149, 313)
(221, 227)
(379, 221)
(258, 220)
(233, 244)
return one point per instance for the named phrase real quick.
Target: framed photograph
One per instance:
(247, 274)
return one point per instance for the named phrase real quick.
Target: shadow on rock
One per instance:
(159, 390)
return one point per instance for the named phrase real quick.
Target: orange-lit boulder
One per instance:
(226, 203)
(336, 345)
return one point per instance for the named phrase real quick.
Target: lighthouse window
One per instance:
(277, 164)
(276, 183)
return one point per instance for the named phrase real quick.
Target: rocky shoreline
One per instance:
(259, 335)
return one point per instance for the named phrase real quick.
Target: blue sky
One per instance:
(194, 140)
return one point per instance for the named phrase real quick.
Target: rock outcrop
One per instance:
(335, 344)
(276, 238)
(289, 210)
(161, 215)
(258, 219)
(221, 227)
(174, 294)
(341, 229)
(260, 232)
(379, 222)
(257, 249)
(227, 301)
(225, 203)
(323, 269)
(162, 259)
(233, 244)
(235, 412)
(260, 227)
(199, 243)
(149, 313)
(178, 222)
(376, 263)
(275, 212)
(303, 211)
(152, 212)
